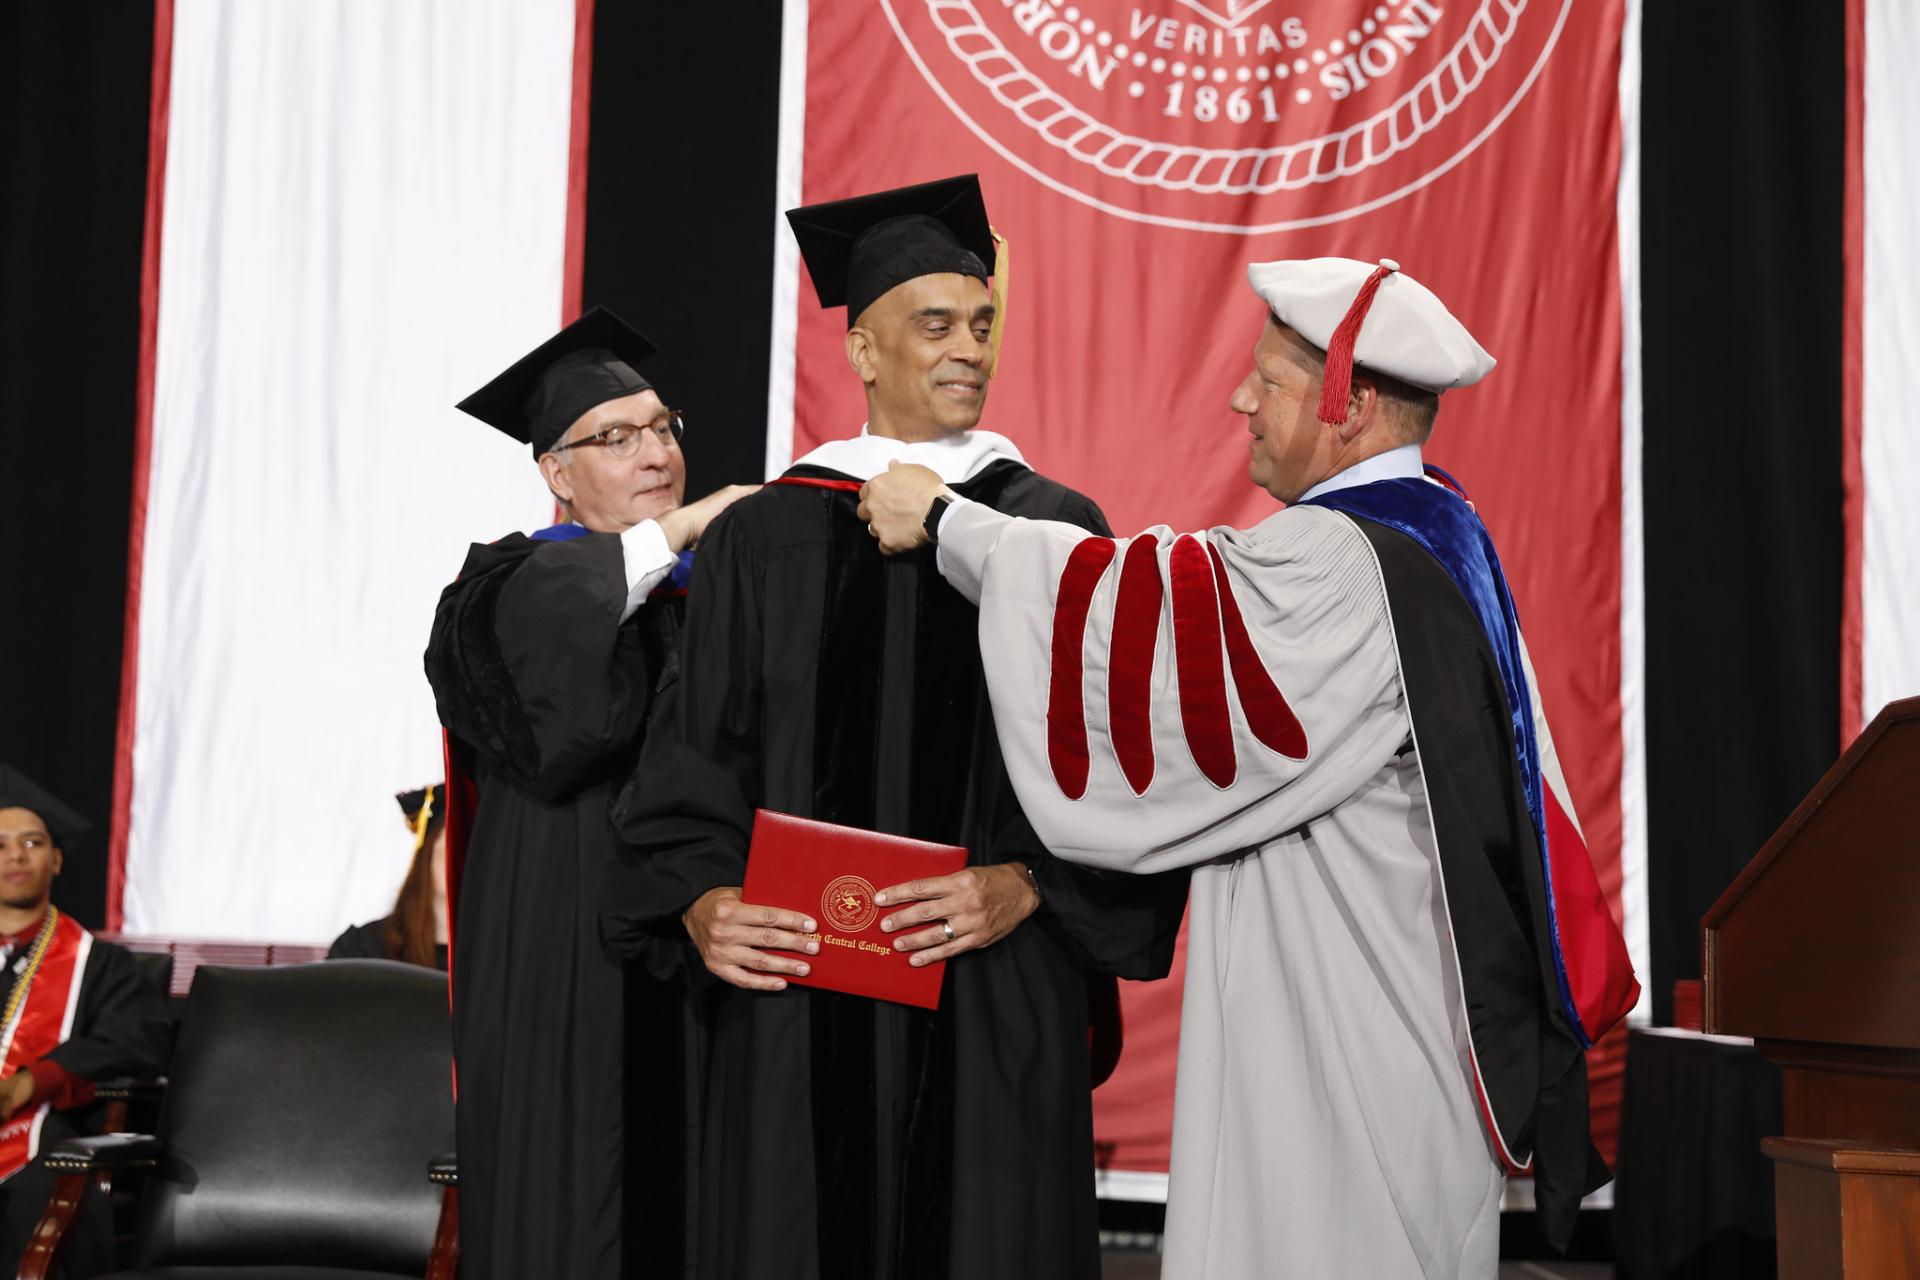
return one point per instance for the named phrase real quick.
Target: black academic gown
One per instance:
(846, 1137)
(535, 674)
(120, 1031)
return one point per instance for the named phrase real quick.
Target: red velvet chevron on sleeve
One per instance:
(1210, 639)
(1136, 633)
(1066, 693)
(1203, 674)
(1272, 721)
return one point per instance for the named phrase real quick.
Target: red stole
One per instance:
(39, 1018)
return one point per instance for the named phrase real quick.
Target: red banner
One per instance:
(1137, 156)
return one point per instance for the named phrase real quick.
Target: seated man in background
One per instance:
(415, 931)
(543, 659)
(78, 1010)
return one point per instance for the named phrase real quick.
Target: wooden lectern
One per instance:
(1814, 951)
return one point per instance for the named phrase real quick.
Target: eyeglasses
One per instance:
(622, 439)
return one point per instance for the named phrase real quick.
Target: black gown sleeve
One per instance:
(530, 663)
(121, 1026)
(1122, 925)
(685, 817)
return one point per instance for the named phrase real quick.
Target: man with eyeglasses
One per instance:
(543, 659)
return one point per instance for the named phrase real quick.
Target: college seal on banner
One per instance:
(1231, 115)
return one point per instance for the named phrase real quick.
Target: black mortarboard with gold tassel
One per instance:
(420, 808)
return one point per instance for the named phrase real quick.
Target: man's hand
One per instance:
(731, 935)
(895, 504)
(16, 1091)
(981, 904)
(684, 526)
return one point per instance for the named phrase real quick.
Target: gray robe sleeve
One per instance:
(1192, 746)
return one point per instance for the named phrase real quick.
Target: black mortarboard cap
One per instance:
(410, 801)
(425, 810)
(858, 249)
(18, 791)
(591, 361)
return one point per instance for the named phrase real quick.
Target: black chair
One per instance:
(304, 1109)
(133, 1103)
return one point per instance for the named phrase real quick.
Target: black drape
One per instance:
(680, 212)
(1694, 1200)
(73, 149)
(1742, 162)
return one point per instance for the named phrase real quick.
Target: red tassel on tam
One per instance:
(1337, 384)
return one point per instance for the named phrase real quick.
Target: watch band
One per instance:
(935, 514)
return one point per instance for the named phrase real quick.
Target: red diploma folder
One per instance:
(831, 873)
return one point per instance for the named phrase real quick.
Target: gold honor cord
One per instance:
(25, 980)
(421, 820)
(1002, 260)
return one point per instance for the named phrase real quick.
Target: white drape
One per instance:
(1890, 412)
(364, 218)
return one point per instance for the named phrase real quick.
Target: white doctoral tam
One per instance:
(1395, 325)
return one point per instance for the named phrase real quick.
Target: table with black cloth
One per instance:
(1693, 1197)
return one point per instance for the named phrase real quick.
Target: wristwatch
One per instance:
(935, 514)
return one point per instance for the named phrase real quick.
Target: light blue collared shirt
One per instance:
(1395, 464)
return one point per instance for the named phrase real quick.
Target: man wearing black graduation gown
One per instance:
(118, 1028)
(543, 660)
(846, 1137)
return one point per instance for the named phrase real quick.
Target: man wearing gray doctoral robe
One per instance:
(1330, 719)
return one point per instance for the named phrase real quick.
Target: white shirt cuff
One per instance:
(940, 530)
(648, 560)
